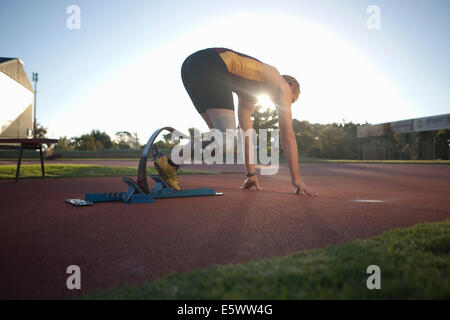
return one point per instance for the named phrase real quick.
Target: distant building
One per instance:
(16, 100)
(413, 139)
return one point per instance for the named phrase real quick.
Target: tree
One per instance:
(124, 140)
(64, 144)
(264, 119)
(305, 137)
(103, 138)
(87, 143)
(331, 142)
(41, 131)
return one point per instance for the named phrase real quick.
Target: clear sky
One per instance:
(121, 69)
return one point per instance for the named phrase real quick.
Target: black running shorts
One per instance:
(207, 81)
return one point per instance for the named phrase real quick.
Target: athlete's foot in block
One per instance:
(168, 172)
(251, 182)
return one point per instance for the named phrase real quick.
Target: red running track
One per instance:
(116, 243)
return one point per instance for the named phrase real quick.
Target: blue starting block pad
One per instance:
(104, 197)
(164, 193)
(116, 197)
(160, 190)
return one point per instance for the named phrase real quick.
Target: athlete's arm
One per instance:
(281, 95)
(290, 149)
(245, 109)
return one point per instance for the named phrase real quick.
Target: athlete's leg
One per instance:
(221, 119)
(207, 81)
(207, 120)
(217, 118)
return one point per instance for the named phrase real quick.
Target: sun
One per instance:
(265, 101)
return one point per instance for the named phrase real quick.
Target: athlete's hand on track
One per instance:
(302, 189)
(250, 182)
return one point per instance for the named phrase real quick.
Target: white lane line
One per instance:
(368, 201)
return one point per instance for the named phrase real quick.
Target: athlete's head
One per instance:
(294, 85)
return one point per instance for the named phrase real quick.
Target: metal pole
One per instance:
(35, 79)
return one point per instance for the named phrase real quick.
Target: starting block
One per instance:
(139, 191)
(115, 197)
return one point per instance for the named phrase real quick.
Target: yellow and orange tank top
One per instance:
(242, 65)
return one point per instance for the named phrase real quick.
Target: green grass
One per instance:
(96, 159)
(77, 171)
(314, 160)
(414, 263)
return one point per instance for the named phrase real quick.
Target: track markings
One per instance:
(368, 201)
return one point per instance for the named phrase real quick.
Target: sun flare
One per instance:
(265, 101)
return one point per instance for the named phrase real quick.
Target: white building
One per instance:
(16, 100)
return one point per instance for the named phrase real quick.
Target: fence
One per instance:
(408, 146)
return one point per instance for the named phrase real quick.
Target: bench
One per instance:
(22, 144)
